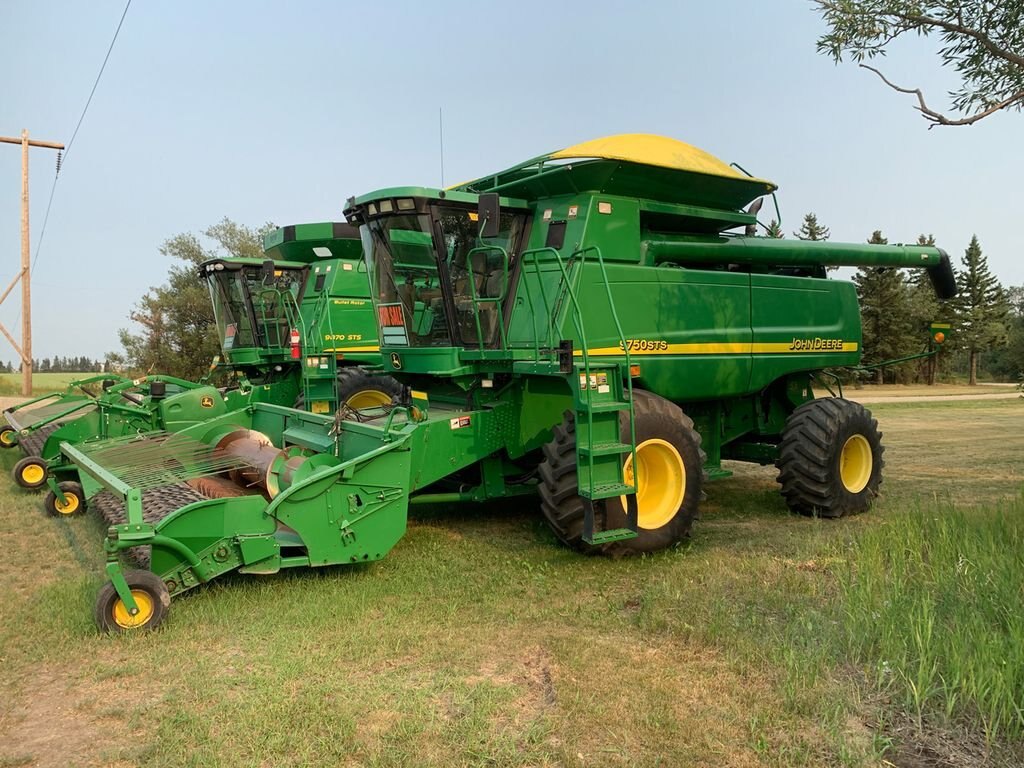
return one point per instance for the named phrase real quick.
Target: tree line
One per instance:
(898, 306)
(80, 364)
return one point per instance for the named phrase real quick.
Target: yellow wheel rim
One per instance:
(125, 620)
(662, 483)
(33, 474)
(368, 398)
(7, 438)
(856, 463)
(72, 505)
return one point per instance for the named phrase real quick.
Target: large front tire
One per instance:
(830, 458)
(358, 389)
(668, 453)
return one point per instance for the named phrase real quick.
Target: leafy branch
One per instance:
(982, 41)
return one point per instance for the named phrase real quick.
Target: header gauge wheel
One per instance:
(30, 473)
(73, 504)
(151, 598)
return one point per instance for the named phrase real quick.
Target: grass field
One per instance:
(42, 383)
(767, 640)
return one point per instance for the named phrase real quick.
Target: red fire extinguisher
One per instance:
(294, 341)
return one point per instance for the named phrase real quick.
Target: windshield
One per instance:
(253, 309)
(407, 277)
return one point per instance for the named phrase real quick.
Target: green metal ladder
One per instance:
(314, 377)
(601, 392)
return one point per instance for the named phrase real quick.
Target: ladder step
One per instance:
(604, 449)
(606, 490)
(603, 407)
(606, 537)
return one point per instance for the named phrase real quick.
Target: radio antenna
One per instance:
(440, 131)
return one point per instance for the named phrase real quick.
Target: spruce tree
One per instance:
(983, 311)
(925, 308)
(884, 310)
(775, 230)
(811, 229)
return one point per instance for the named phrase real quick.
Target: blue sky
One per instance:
(264, 111)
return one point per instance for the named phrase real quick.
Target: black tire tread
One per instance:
(810, 485)
(559, 487)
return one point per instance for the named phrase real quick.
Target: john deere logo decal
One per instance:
(396, 361)
(206, 402)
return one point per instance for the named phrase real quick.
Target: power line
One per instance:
(53, 188)
(98, 76)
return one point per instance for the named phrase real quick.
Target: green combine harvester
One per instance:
(579, 327)
(311, 292)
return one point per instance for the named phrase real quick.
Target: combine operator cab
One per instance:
(436, 281)
(256, 305)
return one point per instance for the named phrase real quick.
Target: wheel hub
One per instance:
(855, 463)
(661, 485)
(125, 620)
(367, 398)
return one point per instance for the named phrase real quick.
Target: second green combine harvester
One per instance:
(578, 326)
(296, 327)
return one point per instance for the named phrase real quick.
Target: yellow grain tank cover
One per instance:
(658, 151)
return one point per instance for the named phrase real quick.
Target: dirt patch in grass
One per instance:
(930, 746)
(531, 673)
(59, 722)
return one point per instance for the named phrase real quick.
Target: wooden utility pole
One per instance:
(25, 350)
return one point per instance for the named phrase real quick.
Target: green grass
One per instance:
(42, 383)
(480, 641)
(932, 600)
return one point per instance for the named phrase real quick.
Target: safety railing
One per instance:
(292, 317)
(580, 326)
(498, 301)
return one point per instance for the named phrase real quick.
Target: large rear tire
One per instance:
(358, 389)
(668, 452)
(830, 458)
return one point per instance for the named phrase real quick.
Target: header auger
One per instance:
(580, 327)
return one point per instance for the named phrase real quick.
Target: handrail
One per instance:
(625, 349)
(548, 310)
(577, 317)
(483, 300)
(577, 320)
(291, 310)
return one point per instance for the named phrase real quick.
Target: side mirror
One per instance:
(268, 271)
(489, 214)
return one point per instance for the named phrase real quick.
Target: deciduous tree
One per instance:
(983, 41)
(176, 332)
